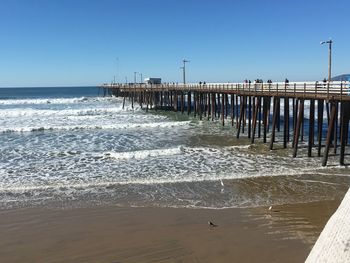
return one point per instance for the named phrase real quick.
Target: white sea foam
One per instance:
(124, 126)
(54, 100)
(144, 153)
(61, 112)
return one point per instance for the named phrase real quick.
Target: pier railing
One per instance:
(335, 90)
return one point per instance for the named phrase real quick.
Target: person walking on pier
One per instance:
(286, 82)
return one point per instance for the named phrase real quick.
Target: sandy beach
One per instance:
(117, 234)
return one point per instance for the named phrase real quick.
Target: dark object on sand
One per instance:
(211, 224)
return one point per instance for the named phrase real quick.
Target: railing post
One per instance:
(285, 89)
(341, 90)
(295, 86)
(315, 89)
(277, 88)
(328, 90)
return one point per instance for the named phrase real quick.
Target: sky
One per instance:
(90, 42)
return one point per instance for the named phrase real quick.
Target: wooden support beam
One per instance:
(147, 101)
(288, 119)
(132, 100)
(298, 127)
(274, 121)
(195, 106)
(259, 115)
(255, 115)
(278, 120)
(345, 116)
(123, 102)
(311, 128)
(209, 106)
(200, 107)
(218, 106)
(226, 105)
(182, 102)
(212, 106)
(295, 118)
(240, 117)
(302, 127)
(265, 117)
(237, 114)
(335, 132)
(268, 113)
(329, 134)
(223, 109)
(232, 108)
(249, 116)
(327, 110)
(244, 101)
(204, 103)
(189, 103)
(161, 99)
(151, 99)
(286, 122)
(320, 106)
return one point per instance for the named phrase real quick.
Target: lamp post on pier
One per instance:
(329, 42)
(135, 72)
(184, 70)
(140, 78)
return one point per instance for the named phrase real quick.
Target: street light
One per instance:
(329, 42)
(184, 70)
(135, 77)
(140, 77)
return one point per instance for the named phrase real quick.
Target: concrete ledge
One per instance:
(333, 245)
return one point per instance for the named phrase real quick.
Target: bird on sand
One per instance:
(211, 224)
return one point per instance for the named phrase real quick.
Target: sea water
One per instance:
(76, 147)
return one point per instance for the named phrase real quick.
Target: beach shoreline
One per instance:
(151, 234)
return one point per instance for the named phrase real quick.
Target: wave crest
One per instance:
(123, 126)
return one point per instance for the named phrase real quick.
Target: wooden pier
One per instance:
(255, 110)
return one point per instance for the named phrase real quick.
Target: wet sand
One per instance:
(116, 234)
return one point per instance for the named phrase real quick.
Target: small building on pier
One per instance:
(153, 80)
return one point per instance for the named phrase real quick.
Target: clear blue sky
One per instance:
(77, 42)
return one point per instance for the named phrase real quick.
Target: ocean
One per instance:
(73, 147)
